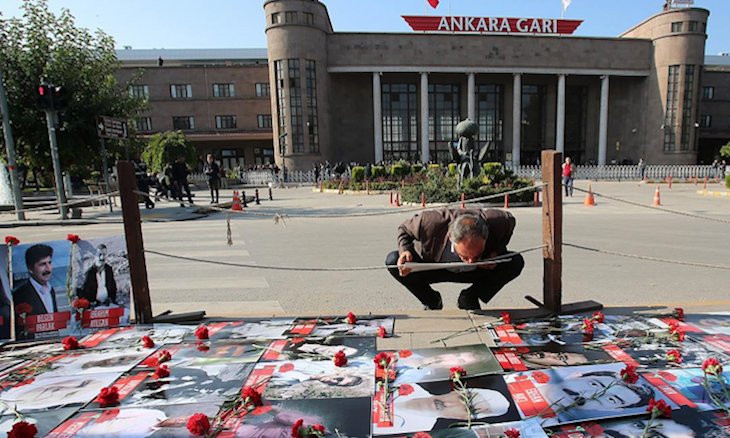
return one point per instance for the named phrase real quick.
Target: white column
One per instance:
(424, 118)
(377, 118)
(516, 117)
(603, 122)
(560, 116)
(471, 98)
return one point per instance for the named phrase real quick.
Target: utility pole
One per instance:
(60, 192)
(10, 147)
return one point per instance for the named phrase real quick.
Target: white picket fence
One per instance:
(628, 173)
(263, 177)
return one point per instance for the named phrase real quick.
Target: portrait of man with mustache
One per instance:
(37, 290)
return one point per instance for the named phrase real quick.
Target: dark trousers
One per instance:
(179, 186)
(485, 283)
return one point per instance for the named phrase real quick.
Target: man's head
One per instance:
(567, 160)
(550, 358)
(339, 380)
(210, 158)
(660, 428)
(38, 259)
(485, 403)
(619, 396)
(101, 251)
(468, 232)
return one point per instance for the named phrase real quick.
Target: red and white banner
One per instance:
(544, 26)
(47, 322)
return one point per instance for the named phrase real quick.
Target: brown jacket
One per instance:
(431, 228)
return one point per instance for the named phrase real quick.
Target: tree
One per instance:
(164, 148)
(725, 151)
(41, 45)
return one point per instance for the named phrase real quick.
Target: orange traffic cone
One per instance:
(506, 201)
(589, 201)
(236, 205)
(391, 198)
(397, 199)
(657, 197)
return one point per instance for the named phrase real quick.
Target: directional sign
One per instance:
(108, 127)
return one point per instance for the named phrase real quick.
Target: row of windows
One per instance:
(291, 17)
(185, 91)
(708, 92)
(144, 124)
(288, 78)
(692, 26)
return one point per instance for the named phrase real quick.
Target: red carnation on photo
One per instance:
(11, 240)
(147, 342)
(23, 429)
(70, 343)
(108, 396)
(679, 336)
(251, 396)
(422, 435)
(351, 318)
(286, 367)
(598, 316)
(712, 367)
(659, 409)
(587, 326)
(505, 317)
(674, 356)
(382, 360)
(457, 373)
(405, 353)
(673, 327)
(540, 377)
(164, 356)
(202, 346)
(512, 433)
(678, 313)
(198, 424)
(296, 427)
(80, 303)
(381, 332)
(405, 389)
(202, 332)
(23, 309)
(629, 374)
(73, 238)
(340, 359)
(161, 372)
(318, 429)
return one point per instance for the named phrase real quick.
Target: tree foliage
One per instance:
(164, 148)
(725, 151)
(44, 45)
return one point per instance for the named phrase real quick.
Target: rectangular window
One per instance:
(534, 99)
(705, 121)
(139, 91)
(263, 155)
(262, 90)
(677, 27)
(290, 16)
(692, 26)
(443, 116)
(308, 18)
(489, 119)
(280, 104)
(224, 90)
(183, 122)
(181, 91)
(225, 122)
(264, 120)
(400, 122)
(688, 116)
(708, 92)
(143, 124)
(275, 18)
(295, 107)
(312, 123)
(670, 113)
(576, 122)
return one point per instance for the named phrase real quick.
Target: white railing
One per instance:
(630, 172)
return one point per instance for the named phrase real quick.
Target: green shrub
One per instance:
(725, 151)
(452, 169)
(727, 181)
(415, 168)
(377, 172)
(434, 167)
(358, 173)
(492, 169)
(400, 170)
(164, 148)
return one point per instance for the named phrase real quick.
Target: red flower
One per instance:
(286, 367)
(422, 435)
(505, 317)
(202, 346)
(23, 429)
(318, 428)
(164, 356)
(457, 373)
(673, 327)
(381, 332)
(23, 309)
(512, 433)
(108, 396)
(198, 424)
(73, 238)
(340, 359)
(712, 366)
(405, 389)
(351, 318)
(382, 360)
(80, 303)
(70, 343)
(587, 326)
(405, 353)
(679, 336)
(678, 313)
(674, 356)
(161, 372)
(147, 342)
(296, 427)
(201, 332)
(629, 374)
(659, 409)
(598, 316)
(11, 240)
(251, 396)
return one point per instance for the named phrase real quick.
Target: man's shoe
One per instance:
(468, 301)
(438, 306)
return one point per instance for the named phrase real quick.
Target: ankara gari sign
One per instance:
(492, 24)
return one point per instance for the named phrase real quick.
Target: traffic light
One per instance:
(52, 97)
(60, 97)
(44, 97)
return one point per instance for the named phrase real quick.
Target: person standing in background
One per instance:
(212, 171)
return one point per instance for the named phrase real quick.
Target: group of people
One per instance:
(172, 182)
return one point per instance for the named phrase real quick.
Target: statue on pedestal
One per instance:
(465, 153)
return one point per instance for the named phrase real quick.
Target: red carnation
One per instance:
(318, 429)
(251, 396)
(512, 433)
(405, 353)
(202, 346)
(712, 366)
(73, 238)
(23, 309)
(381, 332)
(296, 427)
(201, 332)
(382, 360)
(587, 326)
(506, 318)
(659, 409)
(108, 396)
(161, 372)
(351, 318)
(674, 356)
(80, 303)
(340, 359)
(629, 374)
(422, 435)
(198, 424)
(11, 240)
(405, 389)
(673, 327)
(147, 342)
(23, 429)
(70, 343)
(598, 316)
(457, 373)
(678, 313)
(164, 356)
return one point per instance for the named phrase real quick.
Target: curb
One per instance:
(713, 193)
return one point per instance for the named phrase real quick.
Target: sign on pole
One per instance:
(109, 127)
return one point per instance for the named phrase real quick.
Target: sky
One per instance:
(182, 24)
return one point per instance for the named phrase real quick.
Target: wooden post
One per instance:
(135, 245)
(552, 229)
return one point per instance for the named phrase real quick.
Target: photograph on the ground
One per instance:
(434, 364)
(318, 348)
(44, 421)
(131, 336)
(250, 329)
(659, 353)
(561, 331)
(205, 353)
(338, 326)
(80, 362)
(690, 387)
(6, 297)
(549, 356)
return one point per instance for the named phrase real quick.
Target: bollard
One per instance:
(669, 179)
(271, 195)
(397, 199)
(367, 186)
(321, 186)
(243, 199)
(256, 197)
(536, 199)
(506, 201)
(391, 198)
(462, 201)
(704, 187)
